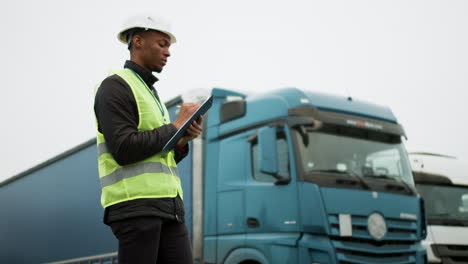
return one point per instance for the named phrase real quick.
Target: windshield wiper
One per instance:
(442, 219)
(379, 176)
(389, 186)
(329, 171)
(347, 173)
(440, 214)
(359, 177)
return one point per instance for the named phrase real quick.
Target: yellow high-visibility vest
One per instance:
(154, 177)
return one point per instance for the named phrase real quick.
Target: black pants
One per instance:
(151, 240)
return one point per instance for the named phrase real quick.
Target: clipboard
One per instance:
(179, 134)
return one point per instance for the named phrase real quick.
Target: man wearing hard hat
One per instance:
(141, 189)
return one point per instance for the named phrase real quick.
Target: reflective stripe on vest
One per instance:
(135, 170)
(132, 169)
(102, 148)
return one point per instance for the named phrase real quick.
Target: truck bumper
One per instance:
(321, 249)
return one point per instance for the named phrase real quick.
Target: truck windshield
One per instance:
(444, 204)
(350, 152)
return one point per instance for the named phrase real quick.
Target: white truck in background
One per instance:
(442, 181)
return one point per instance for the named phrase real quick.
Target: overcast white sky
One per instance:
(409, 55)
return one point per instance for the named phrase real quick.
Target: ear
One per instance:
(138, 41)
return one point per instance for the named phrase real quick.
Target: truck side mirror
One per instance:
(267, 150)
(268, 153)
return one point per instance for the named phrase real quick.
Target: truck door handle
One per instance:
(253, 222)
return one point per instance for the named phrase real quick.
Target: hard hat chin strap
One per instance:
(129, 39)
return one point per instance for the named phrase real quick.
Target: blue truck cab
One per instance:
(287, 176)
(303, 177)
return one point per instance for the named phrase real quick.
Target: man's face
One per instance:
(154, 50)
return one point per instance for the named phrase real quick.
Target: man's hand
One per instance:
(185, 112)
(193, 131)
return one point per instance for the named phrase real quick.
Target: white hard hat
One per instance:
(145, 22)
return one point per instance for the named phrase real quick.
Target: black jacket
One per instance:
(117, 115)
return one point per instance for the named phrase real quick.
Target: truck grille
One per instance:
(398, 245)
(451, 254)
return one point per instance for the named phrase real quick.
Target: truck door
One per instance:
(270, 189)
(230, 176)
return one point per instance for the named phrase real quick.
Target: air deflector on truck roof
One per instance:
(342, 119)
